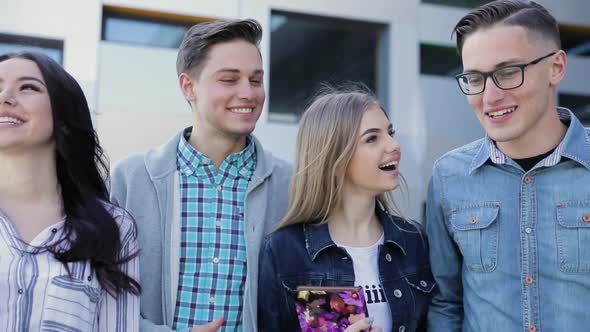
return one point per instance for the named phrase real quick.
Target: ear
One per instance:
(187, 86)
(558, 67)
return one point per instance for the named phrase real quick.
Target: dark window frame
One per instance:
(41, 42)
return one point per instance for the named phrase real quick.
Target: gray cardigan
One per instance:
(147, 186)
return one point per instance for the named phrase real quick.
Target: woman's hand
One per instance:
(363, 325)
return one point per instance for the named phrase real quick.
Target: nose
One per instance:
(492, 93)
(393, 145)
(6, 97)
(246, 90)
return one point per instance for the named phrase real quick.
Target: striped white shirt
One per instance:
(37, 294)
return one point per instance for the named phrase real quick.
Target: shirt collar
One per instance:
(575, 145)
(189, 160)
(317, 236)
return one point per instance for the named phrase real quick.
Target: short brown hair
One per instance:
(527, 14)
(197, 41)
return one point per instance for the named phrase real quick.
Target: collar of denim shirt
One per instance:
(317, 236)
(575, 144)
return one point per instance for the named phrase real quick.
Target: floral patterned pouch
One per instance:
(329, 309)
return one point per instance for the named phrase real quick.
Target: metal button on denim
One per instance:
(529, 280)
(397, 293)
(423, 283)
(388, 257)
(528, 230)
(527, 179)
(532, 328)
(402, 329)
(586, 218)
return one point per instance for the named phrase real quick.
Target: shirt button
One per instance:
(212, 300)
(532, 328)
(218, 187)
(529, 280)
(388, 257)
(218, 223)
(473, 219)
(586, 218)
(397, 293)
(20, 290)
(54, 230)
(528, 230)
(423, 283)
(215, 260)
(402, 329)
(527, 179)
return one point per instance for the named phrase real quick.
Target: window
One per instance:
(575, 39)
(146, 28)
(459, 3)
(14, 43)
(439, 60)
(578, 104)
(306, 51)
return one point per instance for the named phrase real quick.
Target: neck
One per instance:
(32, 177)
(215, 145)
(355, 222)
(546, 135)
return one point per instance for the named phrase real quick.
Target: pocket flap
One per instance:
(573, 214)
(422, 281)
(474, 216)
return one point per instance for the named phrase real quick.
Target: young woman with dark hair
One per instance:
(68, 258)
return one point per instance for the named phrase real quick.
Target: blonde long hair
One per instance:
(326, 141)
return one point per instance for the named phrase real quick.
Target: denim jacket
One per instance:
(304, 254)
(510, 250)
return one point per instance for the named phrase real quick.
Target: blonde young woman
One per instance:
(341, 228)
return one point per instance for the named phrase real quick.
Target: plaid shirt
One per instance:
(212, 271)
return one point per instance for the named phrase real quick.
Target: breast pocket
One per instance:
(476, 233)
(70, 305)
(573, 236)
(421, 284)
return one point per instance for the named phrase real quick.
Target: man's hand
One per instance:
(209, 327)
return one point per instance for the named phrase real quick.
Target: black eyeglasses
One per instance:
(505, 78)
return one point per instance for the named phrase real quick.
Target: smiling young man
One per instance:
(204, 201)
(508, 216)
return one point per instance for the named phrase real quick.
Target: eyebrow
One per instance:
(28, 78)
(499, 65)
(237, 71)
(375, 130)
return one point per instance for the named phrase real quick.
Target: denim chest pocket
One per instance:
(573, 236)
(70, 304)
(475, 230)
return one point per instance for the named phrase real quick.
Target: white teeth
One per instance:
(391, 163)
(501, 112)
(241, 110)
(7, 119)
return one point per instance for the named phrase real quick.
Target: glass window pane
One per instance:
(50, 47)
(143, 32)
(439, 60)
(579, 104)
(307, 51)
(575, 39)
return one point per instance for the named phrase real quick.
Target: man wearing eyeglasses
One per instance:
(508, 216)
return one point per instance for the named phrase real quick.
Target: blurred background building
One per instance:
(123, 53)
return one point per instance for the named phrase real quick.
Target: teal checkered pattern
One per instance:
(212, 270)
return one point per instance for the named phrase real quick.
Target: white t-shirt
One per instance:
(366, 274)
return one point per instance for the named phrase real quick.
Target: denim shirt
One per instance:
(510, 250)
(304, 254)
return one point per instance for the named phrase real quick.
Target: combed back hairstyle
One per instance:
(194, 49)
(527, 14)
(326, 141)
(81, 168)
